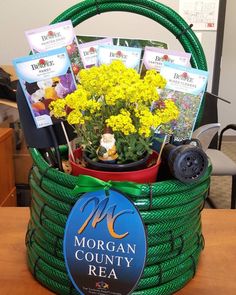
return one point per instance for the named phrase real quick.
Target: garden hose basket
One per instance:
(170, 209)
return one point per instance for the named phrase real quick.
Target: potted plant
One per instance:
(115, 113)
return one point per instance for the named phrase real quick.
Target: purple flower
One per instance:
(67, 82)
(60, 90)
(40, 112)
(65, 86)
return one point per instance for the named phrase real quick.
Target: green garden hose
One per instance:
(170, 274)
(170, 209)
(175, 253)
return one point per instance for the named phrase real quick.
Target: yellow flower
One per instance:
(78, 99)
(56, 80)
(122, 123)
(50, 92)
(154, 79)
(93, 106)
(146, 122)
(116, 93)
(117, 97)
(168, 113)
(58, 108)
(75, 117)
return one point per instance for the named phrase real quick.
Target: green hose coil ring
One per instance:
(172, 218)
(174, 230)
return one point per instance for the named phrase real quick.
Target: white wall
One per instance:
(19, 16)
(227, 112)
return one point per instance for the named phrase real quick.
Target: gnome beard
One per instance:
(107, 149)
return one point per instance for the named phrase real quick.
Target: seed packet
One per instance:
(88, 51)
(128, 55)
(56, 36)
(138, 43)
(154, 57)
(186, 87)
(44, 77)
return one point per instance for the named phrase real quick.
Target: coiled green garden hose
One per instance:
(161, 248)
(170, 209)
(61, 277)
(171, 259)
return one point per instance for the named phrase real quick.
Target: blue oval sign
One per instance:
(105, 244)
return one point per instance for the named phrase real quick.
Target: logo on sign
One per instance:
(104, 244)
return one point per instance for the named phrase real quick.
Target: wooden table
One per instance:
(7, 173)
(216, 273)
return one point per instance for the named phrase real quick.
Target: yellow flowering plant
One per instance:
(117, 97)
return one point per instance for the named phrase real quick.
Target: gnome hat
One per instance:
(107, 129)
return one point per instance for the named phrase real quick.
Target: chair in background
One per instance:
(222, 165)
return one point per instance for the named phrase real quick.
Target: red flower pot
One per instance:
(146, 175)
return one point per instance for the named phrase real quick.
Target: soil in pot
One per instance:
(114, 167)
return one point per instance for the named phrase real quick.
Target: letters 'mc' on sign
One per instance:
(104, 244)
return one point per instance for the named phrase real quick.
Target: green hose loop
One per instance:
(159, 201)
(153, 239)
(142, 203)
(160, 248)
(60, 277)
(166, 231)
(174, 236)
(59, 288)
(170, 209)
(56, 262)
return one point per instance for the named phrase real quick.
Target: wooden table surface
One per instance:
(216, 273)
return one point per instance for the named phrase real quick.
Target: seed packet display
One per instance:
(186, 86)
(128, 55)
(45, 77)
(154, 57)
(53, 37)
(88, 51)
(138, 43)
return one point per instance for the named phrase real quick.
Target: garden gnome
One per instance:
(107, 150)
